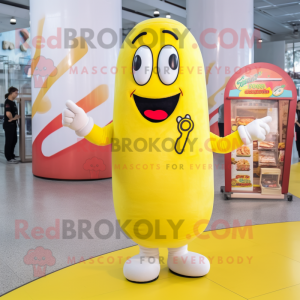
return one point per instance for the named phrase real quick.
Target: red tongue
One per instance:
(156, 115)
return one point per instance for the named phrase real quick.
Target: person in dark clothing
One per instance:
(297, 128)
(10, 124)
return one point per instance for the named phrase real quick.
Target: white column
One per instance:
(82, 70)
(224, 32)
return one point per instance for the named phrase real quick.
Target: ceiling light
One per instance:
(260, 40)
(168, 16)
(13, 21)
(156, 13)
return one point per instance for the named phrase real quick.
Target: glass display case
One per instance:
(250, 159)
(270, 181)
(254, 92)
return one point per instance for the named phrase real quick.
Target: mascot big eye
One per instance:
(160, 134)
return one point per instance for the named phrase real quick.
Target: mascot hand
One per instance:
(255, 131)
(75, 118)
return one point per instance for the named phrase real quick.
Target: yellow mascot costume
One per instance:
(162, 149)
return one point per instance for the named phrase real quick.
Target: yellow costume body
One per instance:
(155, 191)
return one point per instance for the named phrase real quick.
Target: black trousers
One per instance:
(298, 143)
(10, 140)
(221, 129)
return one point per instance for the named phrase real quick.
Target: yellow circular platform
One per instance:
(260, 262)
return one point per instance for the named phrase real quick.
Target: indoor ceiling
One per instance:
(135, 11)
(17, 9)
(6, 26)
(17, 2)
(277, 19)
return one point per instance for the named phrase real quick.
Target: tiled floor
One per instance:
(39, 203)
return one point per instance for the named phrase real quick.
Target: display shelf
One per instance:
(268, 152)
(272, 93)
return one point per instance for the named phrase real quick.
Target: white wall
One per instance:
(271, 52)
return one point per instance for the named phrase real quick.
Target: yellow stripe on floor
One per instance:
(294, 185)
(260, 261)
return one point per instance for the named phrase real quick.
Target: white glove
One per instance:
(255, 131)
(75, 118)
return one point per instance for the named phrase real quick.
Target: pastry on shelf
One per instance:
(266, 145)
(244, 120)
(243, 151)
(267, 158)
(281, 146)
(243, 165)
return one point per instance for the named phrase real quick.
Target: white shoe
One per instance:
(12, 161)
(143, 267)
(185, 263)
(15, 159)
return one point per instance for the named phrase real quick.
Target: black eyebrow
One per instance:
(139, 35)
(172, 33)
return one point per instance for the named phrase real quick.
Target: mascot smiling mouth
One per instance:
(156, 110)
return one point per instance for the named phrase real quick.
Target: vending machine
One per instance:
(262, 169)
